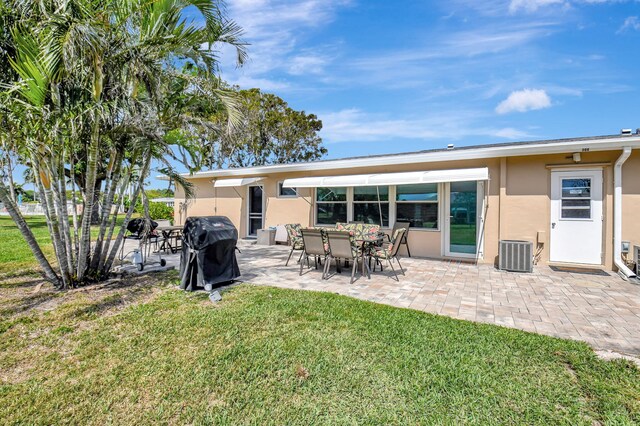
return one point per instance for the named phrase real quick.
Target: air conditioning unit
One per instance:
(636, 258)
(516, 256)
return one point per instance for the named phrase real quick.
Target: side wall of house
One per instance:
(210, 201)
(631, 200)
(518, 199)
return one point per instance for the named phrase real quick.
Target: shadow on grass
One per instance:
(89, 300)
(34, 222)
(28, 303)
(22, 284)
(106, 304)
(119, 293)
(20, 274)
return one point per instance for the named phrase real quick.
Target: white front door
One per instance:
(576, 217)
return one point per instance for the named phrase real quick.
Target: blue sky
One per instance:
(394, 76)
(391, 76)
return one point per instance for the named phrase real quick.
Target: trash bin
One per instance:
(266, 237)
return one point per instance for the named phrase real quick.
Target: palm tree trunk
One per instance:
(43, 178)
(22, 225)
(112, 181)
(12, 186)
(112, 224)
(61, 198)
(74, 215)
(116, 245)
(89, 193)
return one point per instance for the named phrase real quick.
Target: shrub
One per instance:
(157, 211)
(160, 211)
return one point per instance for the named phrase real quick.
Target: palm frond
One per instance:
(29, 66)
(179, 180)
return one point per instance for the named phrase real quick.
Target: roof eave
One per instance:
(602, 144)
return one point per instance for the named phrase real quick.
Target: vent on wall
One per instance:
(516, 256)
(636, 258)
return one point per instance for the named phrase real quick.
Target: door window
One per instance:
(463, 229)
(576, 198)
(255, 209)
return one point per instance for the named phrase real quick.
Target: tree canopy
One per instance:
(269, 131)
(94, 91)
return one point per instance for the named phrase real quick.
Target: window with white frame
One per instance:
(576, 198)
(418, 205)
(286, 192)
(368, 208)
(331, 205)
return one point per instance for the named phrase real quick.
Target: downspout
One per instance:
(623, 269)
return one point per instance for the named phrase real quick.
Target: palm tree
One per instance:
(97, 80)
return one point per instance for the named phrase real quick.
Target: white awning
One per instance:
(404, 178)
(232, 183)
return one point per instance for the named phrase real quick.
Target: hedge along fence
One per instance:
(157, 211)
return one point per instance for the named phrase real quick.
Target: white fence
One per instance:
(166, 200)
(35, 209)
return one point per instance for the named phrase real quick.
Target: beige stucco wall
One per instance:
(631, 199)
(210, 201)
(518, 204)
(427, 243)
(525, 210)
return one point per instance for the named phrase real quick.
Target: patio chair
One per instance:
(342, 245)
(295, 239)
(391, 252)
(315, 246)
(399, 225)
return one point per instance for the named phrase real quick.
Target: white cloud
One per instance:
(631, 23)
(480, 41)
(354, 125)
(524, 100)
(488, 8)
(275, 30)
(307, 64)
(446, 57)
(532, 5)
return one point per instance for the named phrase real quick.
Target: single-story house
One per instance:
(577, 200)
(168, 201)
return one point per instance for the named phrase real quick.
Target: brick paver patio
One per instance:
(603, 311)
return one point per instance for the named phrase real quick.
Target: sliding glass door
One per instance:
(462, 219)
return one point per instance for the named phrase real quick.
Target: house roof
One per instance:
(509, 149)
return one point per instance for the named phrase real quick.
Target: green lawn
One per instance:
(15, 255)
(145, 353)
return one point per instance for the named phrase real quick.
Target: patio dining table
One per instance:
(170, 234)
(364, 243)
(367, 242)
